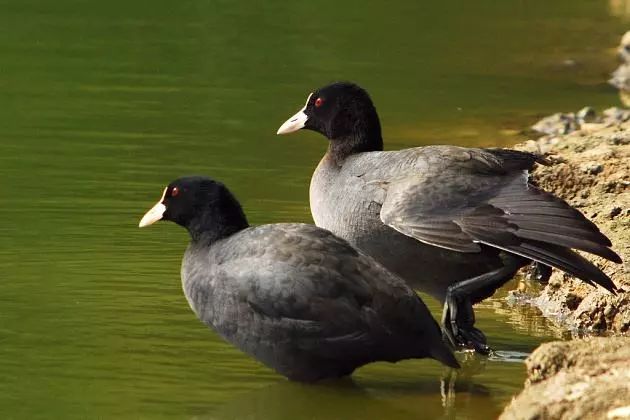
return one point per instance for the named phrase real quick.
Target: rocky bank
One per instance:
(578, 379)
(584, 378)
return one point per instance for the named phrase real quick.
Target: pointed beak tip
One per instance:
(285, 129)
(153, 215)
(295, 123)
(144, 222)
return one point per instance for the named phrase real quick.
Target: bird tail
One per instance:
(540, 226)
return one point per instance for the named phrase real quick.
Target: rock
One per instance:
(624, 48)
(580, 379)
(620, 78)
(585, 120)
(586, 115)
(616, 115)
(592, 168)
(557, 124)
(614, 212)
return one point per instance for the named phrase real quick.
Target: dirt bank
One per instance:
(584, 378)
(579, 379)
(591, 171)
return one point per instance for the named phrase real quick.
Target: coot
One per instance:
(454, 222)
(293, 296)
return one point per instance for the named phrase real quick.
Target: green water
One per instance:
(102, 103)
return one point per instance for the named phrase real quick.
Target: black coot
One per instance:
(454, 222)
(293, 296)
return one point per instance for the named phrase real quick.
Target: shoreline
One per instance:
(583, 377)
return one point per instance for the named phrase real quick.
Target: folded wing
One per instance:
(487, 199)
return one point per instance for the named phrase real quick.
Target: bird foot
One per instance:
(466, 338)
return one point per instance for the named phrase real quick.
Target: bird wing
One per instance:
(316, 283)
(320, 286)
(478, 196)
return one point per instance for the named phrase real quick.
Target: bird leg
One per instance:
(458, 317)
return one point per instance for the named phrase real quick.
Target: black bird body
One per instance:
(454, 222)
(297, 298)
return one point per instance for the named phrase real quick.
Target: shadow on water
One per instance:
(401, 391)
(351, 399)
(288, 400)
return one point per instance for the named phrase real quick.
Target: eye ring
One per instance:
(174, 192)
(319, 102)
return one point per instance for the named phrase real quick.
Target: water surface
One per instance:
(103, 103)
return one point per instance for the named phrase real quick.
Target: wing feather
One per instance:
(488, 199)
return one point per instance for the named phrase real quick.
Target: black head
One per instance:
(203, 206)
(345, 114)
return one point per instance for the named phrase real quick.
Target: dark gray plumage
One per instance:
(293, 296)
(454, 222)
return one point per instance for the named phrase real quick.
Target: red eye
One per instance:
(174, 192)
(319, 102)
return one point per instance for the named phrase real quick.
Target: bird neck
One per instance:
(212, 225)
(365, 139)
